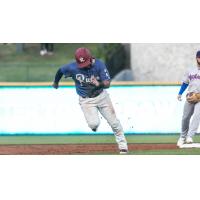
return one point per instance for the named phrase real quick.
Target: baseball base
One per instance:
(193, 145)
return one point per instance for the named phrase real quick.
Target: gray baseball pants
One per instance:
(189, 127)
(103, 104)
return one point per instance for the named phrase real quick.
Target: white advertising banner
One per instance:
(43, 110)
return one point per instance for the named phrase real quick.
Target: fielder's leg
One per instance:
(90, 112)
(195, 120)
(106, 109)
(187, 113)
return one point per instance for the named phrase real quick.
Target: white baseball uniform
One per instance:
(192, 78)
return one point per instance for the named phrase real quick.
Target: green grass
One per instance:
(192, 151)
(85, 139)
(56, 139)
(99, 139)
(30, 66)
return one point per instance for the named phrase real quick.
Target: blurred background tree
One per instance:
(21, 62)
(115, 55)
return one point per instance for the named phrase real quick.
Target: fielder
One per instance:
(91, 77)
(191, 81)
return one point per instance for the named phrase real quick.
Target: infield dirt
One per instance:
(74, 149)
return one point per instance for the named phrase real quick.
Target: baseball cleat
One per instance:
(123, 151)
(189, 140)
(181, 141)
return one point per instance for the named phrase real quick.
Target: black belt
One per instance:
(93, 95)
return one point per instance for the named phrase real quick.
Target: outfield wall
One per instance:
(162, 61)
(141, 108)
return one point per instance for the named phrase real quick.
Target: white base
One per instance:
(193, 145)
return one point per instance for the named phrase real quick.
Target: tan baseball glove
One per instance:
(193, 97)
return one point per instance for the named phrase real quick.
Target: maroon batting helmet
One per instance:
(83, 57)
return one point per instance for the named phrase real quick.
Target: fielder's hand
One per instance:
(179, 97)
(55, 85)
(193, 97)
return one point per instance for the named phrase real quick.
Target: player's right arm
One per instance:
(64, 70)
(57, 78)
(182, 89)
(185, 83)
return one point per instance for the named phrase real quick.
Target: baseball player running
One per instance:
(192, 104)
(91, 77)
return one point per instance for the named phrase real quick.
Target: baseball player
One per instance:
(191, 81)
(91, 77)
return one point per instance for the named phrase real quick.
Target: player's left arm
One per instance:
(104, 76)
(101, 84)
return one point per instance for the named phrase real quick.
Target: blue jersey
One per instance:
(82, 76)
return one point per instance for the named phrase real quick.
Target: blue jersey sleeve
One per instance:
(58, 76)
(183, 88)
(65, 69)
(103, 73)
